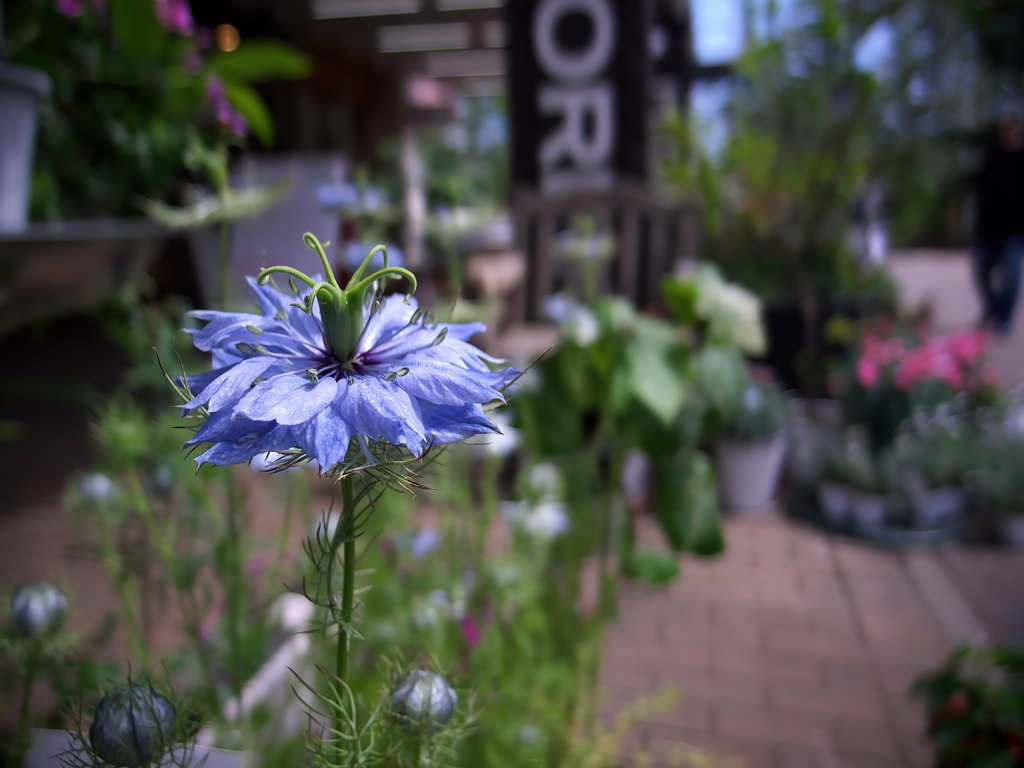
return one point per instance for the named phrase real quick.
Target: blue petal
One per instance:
(463, 331)
(446, 384)
(326, 436)
(241, 448)
(382, 411)
(394, 315)
(288, 400)
(446, 424)
(464, 354)
(230, 385)
(225, 426)
(222, 326)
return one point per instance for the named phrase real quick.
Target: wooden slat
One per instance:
(638, 216)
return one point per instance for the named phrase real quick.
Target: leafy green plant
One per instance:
(999, 479)
(132, 92)
(759, 414)
(975, 708)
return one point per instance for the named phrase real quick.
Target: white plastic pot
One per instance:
(747, 473)
(941, 507)
(21, 90)
(1013, 531)
(868, 509)
(835, 501)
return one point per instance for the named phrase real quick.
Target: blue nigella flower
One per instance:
(338, 369)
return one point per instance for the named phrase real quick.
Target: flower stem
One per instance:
(222, 262)
(417, 751)
(348, 578)
(31, 668)
(233, 590)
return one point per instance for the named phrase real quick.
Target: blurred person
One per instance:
(999, 223)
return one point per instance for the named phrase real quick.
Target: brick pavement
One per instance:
(792, 649)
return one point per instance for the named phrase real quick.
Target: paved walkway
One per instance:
(793, 649)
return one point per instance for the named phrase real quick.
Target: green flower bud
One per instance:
(423, 701)
(38, 609)
(132, 727)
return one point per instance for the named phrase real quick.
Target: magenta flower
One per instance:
(71, 8)
(470, 631)
(176, 16)
(226, 114)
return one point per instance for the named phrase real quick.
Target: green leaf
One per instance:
(686, 503)
(652, 566)
(251, 106)
(256, 61)
(655, 369)
(681, 298)
(136, 28)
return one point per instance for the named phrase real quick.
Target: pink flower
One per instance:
(176, 16)
(470, 631)
(867, 372)
(967, 346)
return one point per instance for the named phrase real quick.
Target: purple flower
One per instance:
(71, 8)
(176, 16)
(336, 372)
(226, 114)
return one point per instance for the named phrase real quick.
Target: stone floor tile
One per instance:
(805, 757)
(699, 749)
(772, 724)
(869, 739)
(858, 673)
(742, 621)
(691, 712)
(838, 700)
(838, 643)
(707, 637)
(767, 662)
(726, 685)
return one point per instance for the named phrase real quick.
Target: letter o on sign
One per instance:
(569, 66)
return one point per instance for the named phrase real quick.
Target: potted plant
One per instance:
(934, 458)
(21, 90)
(834, 486)
(974, 711)
(749, 450)
(854, 484)
(1000, 484)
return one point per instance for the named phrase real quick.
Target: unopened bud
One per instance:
(424, 701)
(132, 727)
(38, 609)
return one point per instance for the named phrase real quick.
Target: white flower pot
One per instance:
(835, 501)
(941, 507)
(21, 90)
(55, 749)
(1013, 531)
(747, 473)
(273, 687)
(867, 509)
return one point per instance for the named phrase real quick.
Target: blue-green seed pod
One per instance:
(423, 701)
(38, 609)
(132, 727)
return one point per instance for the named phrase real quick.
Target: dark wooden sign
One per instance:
(579, 73)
